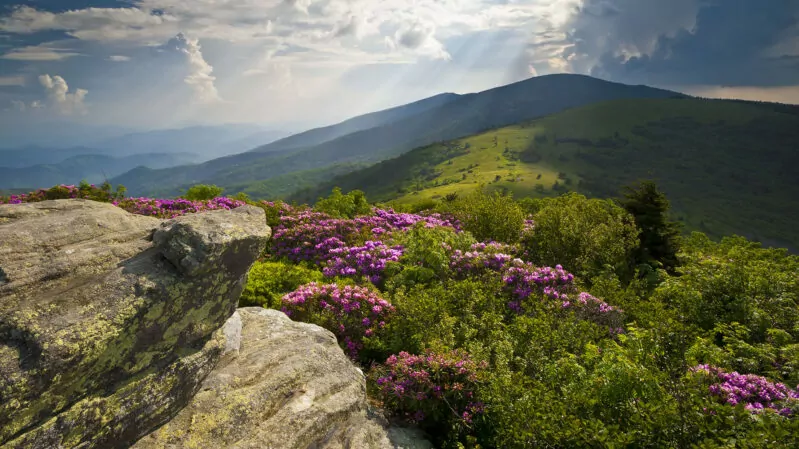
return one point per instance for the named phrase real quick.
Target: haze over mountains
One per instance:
(32, 166)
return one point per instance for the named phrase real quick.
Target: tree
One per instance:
(660, 238)
(586, 236)
(203, 192)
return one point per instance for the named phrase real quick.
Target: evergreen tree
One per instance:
(659, 237)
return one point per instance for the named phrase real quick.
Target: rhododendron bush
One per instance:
(159, 208)
(351, 312)
(547, 333)
(432, 387)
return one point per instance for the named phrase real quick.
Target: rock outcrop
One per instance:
(109, 322)
(287, 385)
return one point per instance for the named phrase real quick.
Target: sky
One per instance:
(149, 64)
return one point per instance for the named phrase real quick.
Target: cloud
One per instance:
(199, 78)
(419, 37)
(12, 80)
(417, 27)
(680, 42)
(298, 55)
(102, 24)
(59, 97)
(38, 53)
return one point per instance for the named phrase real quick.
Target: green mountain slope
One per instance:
(728, 166)
(457, 116)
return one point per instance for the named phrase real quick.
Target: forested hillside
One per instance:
(729, 167)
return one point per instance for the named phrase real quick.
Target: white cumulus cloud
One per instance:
(200, 77)
(60, 98)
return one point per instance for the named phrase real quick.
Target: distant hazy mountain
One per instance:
(317, 136)
(22, 132)
(28, 166)
(34, 155)
(94, 168)
(207, 142)
(394, 131)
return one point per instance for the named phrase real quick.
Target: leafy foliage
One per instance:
(203, 192)
(269, 281)
(584, 235)
(488, 216)
(338, 205)
(592, 358)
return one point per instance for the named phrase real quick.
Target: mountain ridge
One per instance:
(457, 116)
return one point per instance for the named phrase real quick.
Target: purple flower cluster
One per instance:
(140, 206)
(312, 236)
(482, 257)
(756, 392)
(430, 386)
(528, 227)
(391, 220)
(350, 312)
(594, 309)
(368, 260)
(525, 279)
(175, 208)
(282, 208)
(311, 241)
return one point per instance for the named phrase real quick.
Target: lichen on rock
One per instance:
(288, 386)
(109, 321)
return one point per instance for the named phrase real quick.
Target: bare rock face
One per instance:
(110, 322)
(287, 385)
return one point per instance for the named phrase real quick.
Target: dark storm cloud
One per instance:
(735, 42)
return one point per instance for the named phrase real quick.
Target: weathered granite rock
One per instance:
(109, 322)
(288, 385)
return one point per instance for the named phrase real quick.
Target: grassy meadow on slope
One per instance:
(729, 167)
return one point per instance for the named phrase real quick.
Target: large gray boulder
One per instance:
(109, 322)
(286, 385)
